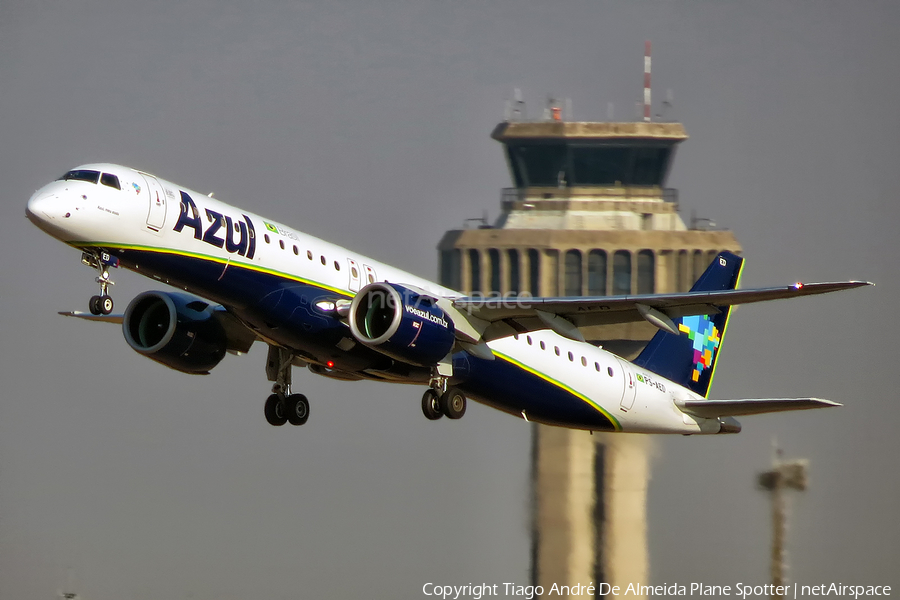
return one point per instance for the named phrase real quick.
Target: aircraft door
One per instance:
(354, 275)
(156, 217)
(629, 386)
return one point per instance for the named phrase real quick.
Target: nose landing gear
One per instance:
(101, 261)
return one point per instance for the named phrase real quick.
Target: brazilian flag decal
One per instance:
(271, 227)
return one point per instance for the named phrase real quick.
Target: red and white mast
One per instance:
(647, 81)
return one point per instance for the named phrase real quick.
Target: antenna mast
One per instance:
(647, 81)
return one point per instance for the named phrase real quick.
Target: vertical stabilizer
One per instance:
(689, 358)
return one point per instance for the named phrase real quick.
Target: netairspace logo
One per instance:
(739, 590)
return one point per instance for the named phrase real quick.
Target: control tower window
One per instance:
(621, 273)
(573, 273)
(514, 281)
(534, 272)
(494, 259)
(645, 272)
(450, 268)
(596, 273)
(699, 265)
(600, 166)
(539, 165)
(81, 175)
(648, 166)
(474, 272)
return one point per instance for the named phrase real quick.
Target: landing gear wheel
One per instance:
(297, 408)
(275, 413)
(431, 405)
(105, 305)
(94, 305)
(453, 403)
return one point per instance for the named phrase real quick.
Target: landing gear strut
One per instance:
(283, 406)
(103, 303)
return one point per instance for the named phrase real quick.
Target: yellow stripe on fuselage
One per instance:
(560, 385)
(215, 259)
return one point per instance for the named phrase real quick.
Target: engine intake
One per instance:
(177, 330)
(401, 323)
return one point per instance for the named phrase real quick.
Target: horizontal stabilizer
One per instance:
(710, 409)
(91, 317)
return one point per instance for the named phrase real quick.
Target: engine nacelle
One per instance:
(401, 323)
(177, 330)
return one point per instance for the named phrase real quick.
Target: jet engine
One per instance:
(177, 330)
(401, 323)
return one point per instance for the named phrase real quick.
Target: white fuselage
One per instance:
(144, 215)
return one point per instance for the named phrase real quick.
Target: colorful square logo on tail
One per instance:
(705, 339)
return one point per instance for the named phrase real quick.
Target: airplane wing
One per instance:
(521, 314)
(710, 409)
(92, 317)
(240, 337)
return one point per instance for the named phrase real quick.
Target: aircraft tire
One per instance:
(275, 413)
(106, 305)
(453, 403)
(94, 305)
(296, 406)
(431, 405)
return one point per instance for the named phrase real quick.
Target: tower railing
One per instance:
(517, 198)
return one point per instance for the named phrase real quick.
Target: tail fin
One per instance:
(689, 359)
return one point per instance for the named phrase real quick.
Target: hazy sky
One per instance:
(368, 123)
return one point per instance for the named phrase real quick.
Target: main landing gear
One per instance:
(440, 400)
(103, 303)
(283, 406)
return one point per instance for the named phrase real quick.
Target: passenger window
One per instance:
(556, 349)
(110, 180)
(322, 258)
(543, 347)
(516, 336)
(354, 272)
(281, 243)
(597, 367)
(583, 361)
(296, 251)
(267, 238)
(337, 266)
(571, 358)
(610, 371)
(529, 340)
(309, 255)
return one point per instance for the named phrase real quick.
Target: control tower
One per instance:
(589, 214)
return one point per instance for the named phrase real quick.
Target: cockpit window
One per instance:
(110, 180)
(82, 175)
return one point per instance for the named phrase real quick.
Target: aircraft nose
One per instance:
(42, 206)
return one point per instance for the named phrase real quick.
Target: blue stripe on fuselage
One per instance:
(510, 388)
(280, 307)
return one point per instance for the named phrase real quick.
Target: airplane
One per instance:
(345, 316)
